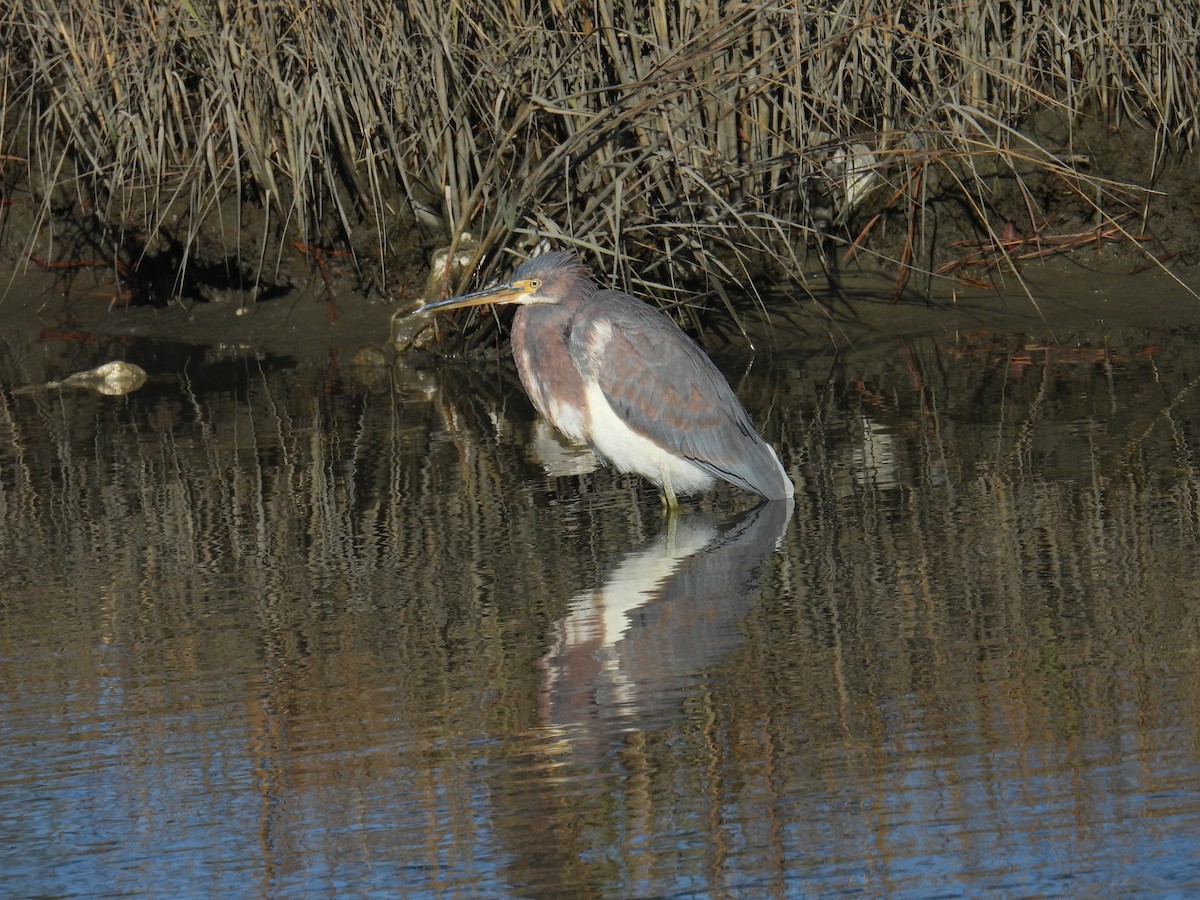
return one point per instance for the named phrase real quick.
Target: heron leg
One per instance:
(671, 527)
(669, 501)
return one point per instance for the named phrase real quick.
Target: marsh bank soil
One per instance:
(1071, 297)
(1068, 303)
(286, 304)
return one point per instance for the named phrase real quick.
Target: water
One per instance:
(275, 626)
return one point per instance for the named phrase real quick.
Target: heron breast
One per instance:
(553, 384)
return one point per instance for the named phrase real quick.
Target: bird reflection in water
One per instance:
(615, 374)
(624, 651)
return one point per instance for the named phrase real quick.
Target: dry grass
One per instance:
(703, 140)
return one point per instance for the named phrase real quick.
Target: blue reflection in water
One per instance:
(108, 793)
(297, 636)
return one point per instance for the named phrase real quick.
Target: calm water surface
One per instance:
(278, 627)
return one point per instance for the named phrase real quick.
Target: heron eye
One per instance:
(535, 283)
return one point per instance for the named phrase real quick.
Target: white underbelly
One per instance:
(628, 451)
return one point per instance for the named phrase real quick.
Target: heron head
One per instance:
(547, 279)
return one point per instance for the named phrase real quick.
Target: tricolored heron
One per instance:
(609, 371)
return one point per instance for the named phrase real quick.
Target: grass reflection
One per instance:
(328, 600)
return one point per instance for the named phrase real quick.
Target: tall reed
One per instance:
(704, 140)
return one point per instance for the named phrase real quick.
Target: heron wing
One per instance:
(665, 387)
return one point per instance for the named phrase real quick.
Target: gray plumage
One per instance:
(655, 378)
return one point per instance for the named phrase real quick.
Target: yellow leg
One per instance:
(669, 501)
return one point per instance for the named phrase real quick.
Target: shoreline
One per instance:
(1073, 303)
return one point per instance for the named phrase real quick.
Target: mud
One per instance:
(1072, 272)
(1060, 301)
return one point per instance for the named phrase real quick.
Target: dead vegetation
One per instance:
(706, 143)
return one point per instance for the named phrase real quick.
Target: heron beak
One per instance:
(510, 292)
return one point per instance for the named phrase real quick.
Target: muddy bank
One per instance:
(1067, 303)
(1069, 270)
